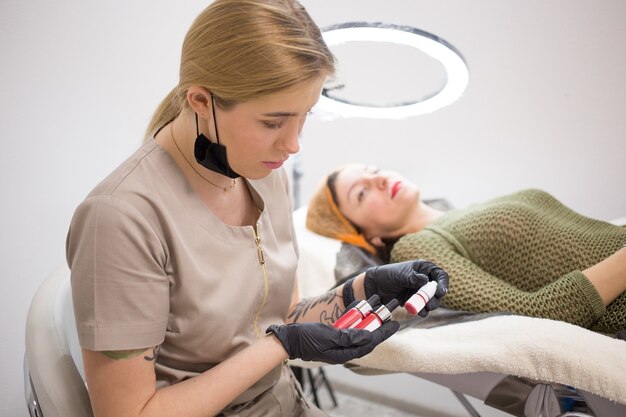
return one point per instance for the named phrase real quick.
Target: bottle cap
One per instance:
(384, 311)
(392, 305)
(374, 300)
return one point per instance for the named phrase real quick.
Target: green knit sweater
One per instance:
(522, 253)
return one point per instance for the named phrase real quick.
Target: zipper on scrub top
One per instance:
(257, 240)
(259, 248)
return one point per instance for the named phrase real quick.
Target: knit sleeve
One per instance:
(571, 298)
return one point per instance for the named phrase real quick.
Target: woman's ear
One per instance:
(377, 241)
(199, 100)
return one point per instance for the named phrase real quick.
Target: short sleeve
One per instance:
(119, 286)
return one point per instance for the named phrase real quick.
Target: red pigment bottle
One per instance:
(376, 318)
(357, 313)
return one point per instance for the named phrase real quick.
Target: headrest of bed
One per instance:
(318, 256)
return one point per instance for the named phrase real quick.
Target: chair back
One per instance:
(53, 368)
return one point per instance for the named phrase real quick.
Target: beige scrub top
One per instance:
(151, 265)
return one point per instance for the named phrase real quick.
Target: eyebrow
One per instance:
(280, 114)
(285, 113)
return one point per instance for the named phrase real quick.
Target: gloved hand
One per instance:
(320, 342)
(402, 280)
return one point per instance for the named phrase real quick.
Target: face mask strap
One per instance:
(217, 135)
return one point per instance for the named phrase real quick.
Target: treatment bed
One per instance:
(523, 366)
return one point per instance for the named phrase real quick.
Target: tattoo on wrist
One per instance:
(334, 315)
(155, 353)
(305, 305)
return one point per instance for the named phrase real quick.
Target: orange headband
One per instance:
(325, 218)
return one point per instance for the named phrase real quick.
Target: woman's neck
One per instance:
(423, 216)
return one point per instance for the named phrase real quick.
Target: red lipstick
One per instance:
(395, 188)
(357, 313)
(376, 318)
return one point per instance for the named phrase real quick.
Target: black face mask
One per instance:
(212, 155)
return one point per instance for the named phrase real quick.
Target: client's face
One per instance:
(378, 202)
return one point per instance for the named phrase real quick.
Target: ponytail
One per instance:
(168, 110)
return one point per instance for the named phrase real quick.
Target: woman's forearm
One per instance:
(216, 388)
(121, 388)
(325, 308)
(609, 276)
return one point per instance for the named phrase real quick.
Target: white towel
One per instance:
(529, 347)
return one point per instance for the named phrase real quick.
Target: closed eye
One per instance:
(360, 195)
(272, 124)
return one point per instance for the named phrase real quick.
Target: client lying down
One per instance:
(524, 253)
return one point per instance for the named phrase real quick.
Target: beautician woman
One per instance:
(183, 259)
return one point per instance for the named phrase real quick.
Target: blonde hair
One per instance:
(241, 50)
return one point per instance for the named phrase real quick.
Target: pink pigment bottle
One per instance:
(357, 313)
(419, 300)
(376, 318)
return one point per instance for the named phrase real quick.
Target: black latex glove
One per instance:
(402, 280)
(320, 342)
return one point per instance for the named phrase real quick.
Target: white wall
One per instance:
(79, 81)
(545, 105)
